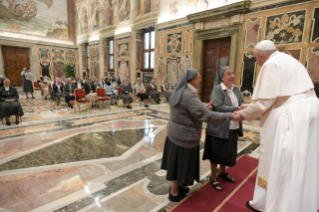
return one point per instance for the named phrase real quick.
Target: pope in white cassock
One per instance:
(288, 169)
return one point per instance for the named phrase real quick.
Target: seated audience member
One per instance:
(58, 90)
(152, 89)
(78, 83)
(43, 82)
(69, 92)
(317, 89)
(62, 79)
(9, 102)
(118, 80)
(97, 84)
(90, 92)
(167, 90)
(103, 82)
(110, 91)
(51, 90)
(141, 92)
(93, 80)
(126, 94)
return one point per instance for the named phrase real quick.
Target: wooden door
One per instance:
(216, 53)
(15, 59)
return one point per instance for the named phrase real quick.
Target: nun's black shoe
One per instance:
(8, 123)
(176, 198)
(251, 208)
(17, 122)
(33, 97)
(181, 189)
(146, 105)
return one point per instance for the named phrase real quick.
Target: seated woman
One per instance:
(167, 90)
(43, 82)
(126, 94)
(152, 89)
(221, 139)
(90, 92)
(9, 102)
(58, 90)
(110, 91)
(141, 92)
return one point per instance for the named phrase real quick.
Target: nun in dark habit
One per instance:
(181, 150)
(221, 140)
(9, 102)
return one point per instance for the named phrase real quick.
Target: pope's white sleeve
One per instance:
(257, 108)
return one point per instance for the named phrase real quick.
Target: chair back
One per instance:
(162, 89)
(146, 88)
(100, 92)
(36, 85)
(49, 86)
(79, 93)
(119, 90)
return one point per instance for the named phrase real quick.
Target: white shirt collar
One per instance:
(191, 87)
(225, 88)
(6, 88)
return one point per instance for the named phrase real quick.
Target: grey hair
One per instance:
(6, 79)
(68, 78)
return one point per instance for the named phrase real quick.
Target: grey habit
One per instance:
(9, 109)
(126, 92)
(222, 103)
(188, 113)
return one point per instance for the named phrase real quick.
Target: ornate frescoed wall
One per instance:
(294, 30)
(36, 17)
(175, 52)
(51, 60)
(94, 62)
(122, 61)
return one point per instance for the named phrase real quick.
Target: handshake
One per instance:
(237, 114)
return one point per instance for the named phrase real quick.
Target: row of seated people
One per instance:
(110, 85)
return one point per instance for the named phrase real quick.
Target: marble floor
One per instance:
(109, 160)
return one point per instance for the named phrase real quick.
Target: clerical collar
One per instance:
(191, 87)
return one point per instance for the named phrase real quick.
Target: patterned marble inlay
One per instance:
(81, 147)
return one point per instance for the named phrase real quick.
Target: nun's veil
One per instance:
(188, 75)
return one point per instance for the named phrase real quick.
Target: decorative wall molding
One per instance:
(173, 23)
(123, 36)
(220, 12)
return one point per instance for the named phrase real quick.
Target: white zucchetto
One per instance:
(266, 45)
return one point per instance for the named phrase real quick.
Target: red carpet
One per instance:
(233, 197)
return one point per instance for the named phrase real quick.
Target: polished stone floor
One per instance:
(109, 160)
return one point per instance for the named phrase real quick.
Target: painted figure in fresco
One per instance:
(108, 12)
(95, 19)
(173, 8)
(124, 9)
(123, 50)
(84, 21)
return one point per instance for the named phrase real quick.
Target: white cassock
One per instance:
(288, 170)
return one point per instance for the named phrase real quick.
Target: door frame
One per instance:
(32, 55)
(233, 31)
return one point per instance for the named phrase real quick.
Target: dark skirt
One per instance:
(142, 96)
(155, 95)
(27, 86)
(220, 150)
(10, 109)
(182, 164)
(69, 98)
(126, 99)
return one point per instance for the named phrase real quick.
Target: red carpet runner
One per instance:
(232, 198)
